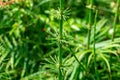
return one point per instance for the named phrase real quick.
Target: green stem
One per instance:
(60, 35)
(89, 22)
(83, 68)
(89, 19)
(114, 30)
(94, 49)
(115, 19)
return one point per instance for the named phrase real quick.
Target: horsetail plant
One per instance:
(94, 49)
(114, 30)
(90, 6)
(60, 38)
(89, 22)
(115, 19)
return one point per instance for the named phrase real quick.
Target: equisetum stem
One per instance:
(94, 49)
(60, 38)
(89, 23)
(90, 3)
(115, 20)
(114, 30)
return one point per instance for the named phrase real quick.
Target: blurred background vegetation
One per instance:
(29, 32)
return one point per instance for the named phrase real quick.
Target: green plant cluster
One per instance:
(60, 40)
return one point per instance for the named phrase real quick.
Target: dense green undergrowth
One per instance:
(46, 40)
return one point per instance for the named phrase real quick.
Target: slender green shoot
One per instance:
(114, 31)
(83, 68)
(94, 49)
(89, 22)
(115, 20)
(90, 4)
(60, 37)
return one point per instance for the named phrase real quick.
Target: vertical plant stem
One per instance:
(60, 35)
(90, 3)
(94, 49)
(115, 20)
(89, 22)
(114, 30)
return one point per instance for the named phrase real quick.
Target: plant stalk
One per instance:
(114, 31)
(89, 19)
(94, 49)
(115, 20)
(60, 38)
(89, 22)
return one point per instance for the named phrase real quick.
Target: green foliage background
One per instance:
(29, 38)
